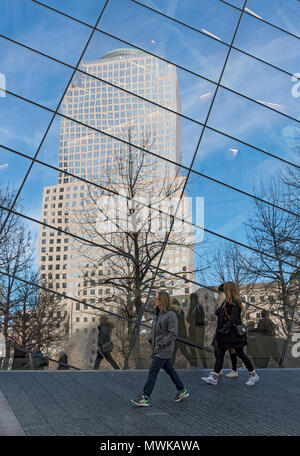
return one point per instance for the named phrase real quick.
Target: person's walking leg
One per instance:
(213, 378)
(216, 354)
(249, 365)
(111, 361)
(181, 391)
(155, 367)
(246, 360)
(233, 357)
(219, 360)
(98, 360)
(169, 369)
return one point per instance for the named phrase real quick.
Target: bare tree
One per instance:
(226, 264)
(7, 225)
(39, 318)
(29, 316)
(290, 177)
(15, 258)
(271, 231)
(131, 220)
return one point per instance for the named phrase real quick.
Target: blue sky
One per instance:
(22, 125)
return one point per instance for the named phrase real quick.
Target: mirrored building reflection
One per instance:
(147, 147)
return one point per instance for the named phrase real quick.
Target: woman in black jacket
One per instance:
(233, 373)
(227, 336)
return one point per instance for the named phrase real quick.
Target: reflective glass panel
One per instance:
(208, 16)
(43, 80)
(123, 116)
(87, 11)
(44, 30)
(165, 38)
(150, 77)
(284, 15)
(268, 43)
(254, 124)
(22, 125)
(248, 76)
(241, 166)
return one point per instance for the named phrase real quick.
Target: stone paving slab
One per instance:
(98, 403)
(9, 425)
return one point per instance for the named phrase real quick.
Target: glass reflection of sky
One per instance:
(29, 75)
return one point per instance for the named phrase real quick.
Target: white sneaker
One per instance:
(252, 380)
(210, 380)
(232, 374)
(220, 373)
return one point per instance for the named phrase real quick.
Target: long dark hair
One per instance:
(164, 300)
(232, 294)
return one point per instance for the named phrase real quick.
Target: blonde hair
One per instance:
(164, 300)
(232, 294)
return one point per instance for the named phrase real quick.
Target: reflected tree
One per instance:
(29, 315)
(130, 217)
(274, 232)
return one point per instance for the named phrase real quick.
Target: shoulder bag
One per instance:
(241, 329)
(107, 346)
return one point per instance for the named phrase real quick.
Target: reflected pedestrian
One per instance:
(266, 341)
(196, 319)
(182, 332)
(163, 334)
(231, 334)
(20, 360)
(63, 358)
(233, 357)
(105, 345)
(36, 362)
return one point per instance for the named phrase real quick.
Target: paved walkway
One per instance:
(9, 425)
(98, 403)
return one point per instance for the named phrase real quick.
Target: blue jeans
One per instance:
(156, 365)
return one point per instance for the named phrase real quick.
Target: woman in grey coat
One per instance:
(162, 339)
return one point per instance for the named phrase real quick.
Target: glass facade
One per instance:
(147, 146)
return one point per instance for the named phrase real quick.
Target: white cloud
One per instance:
(3, 166)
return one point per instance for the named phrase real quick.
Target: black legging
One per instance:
(240, 353)
(233, 358)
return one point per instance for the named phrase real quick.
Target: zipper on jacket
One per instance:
(153, 342)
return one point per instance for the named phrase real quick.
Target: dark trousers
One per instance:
(233, 358)
(167, 366)
(240, 353)
(108, 357)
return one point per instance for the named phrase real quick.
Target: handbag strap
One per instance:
(228, 316)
